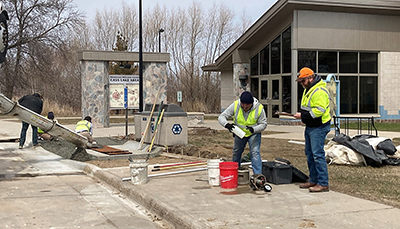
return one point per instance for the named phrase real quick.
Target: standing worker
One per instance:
(315, 113)
(85, 128)
(44, 135)
(249, 115)
(33, 102)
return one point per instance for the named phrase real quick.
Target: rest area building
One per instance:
(357, 41)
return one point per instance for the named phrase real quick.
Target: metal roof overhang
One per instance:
(284, 8)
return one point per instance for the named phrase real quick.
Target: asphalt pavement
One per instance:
(43, 190)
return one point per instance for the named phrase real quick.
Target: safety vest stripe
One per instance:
(256, 113)
(236, 111)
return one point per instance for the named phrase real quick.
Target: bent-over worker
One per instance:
(249, 115)
(34, 103)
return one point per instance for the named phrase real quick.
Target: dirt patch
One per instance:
(205, 143)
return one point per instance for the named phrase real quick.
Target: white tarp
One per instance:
(336, 153)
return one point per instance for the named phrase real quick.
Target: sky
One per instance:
(253, 8)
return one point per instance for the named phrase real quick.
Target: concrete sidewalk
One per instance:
(42, 190)
(186, 200)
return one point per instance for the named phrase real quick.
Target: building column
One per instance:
(95, 92)
(238, 70)
(154, 78)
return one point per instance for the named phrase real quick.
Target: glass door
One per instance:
(271, 97)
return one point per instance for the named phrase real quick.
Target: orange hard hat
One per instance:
(304, 72)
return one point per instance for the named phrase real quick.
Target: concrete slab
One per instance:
(64, 202)
(189, 201)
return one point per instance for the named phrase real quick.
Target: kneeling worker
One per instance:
(41, 133)
(85, 128)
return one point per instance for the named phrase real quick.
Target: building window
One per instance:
(265, 61)
(348, 62)
(276, 56)
(368, 63)
(368, 94)
(327, 62)
(348, 94)
(307, 59)
(254, 65)
(254, 85)
(287, 51)
(358, 91)
(286, 94)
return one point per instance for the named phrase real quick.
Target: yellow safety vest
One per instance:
(240, 121)
(316, 102)
(82, 125)
(40, 131)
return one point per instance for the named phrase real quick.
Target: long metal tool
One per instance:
(155, 131)
(149, 121)
(169, 173)
(178, 166)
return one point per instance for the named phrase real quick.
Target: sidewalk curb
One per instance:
(176, 217)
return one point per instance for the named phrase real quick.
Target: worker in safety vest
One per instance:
(248, 115)
(34, 103)
(315, 113)
(85, 128)
(45, 135)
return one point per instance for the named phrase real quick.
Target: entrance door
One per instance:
(271, 97)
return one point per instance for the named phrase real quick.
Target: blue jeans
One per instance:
(315, 141)
(22, 138)
(254, 144)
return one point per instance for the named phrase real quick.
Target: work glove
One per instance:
(229, 126)
(251, 129)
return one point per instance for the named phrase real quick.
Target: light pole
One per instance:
(159, 39)
(140, 59)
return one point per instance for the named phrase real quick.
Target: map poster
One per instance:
(117, 83)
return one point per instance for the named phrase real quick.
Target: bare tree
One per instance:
(200, 39)
(244, 22)
(153, 20)
(34, 25)
(104, 29)
(127, 25)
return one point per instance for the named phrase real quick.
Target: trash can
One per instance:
(172, 130)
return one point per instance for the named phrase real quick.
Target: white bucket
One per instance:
(138, 171)
(213, 171)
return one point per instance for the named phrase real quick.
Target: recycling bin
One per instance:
(172, 129)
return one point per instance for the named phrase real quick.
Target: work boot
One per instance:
(307, 185)
(319, 188)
